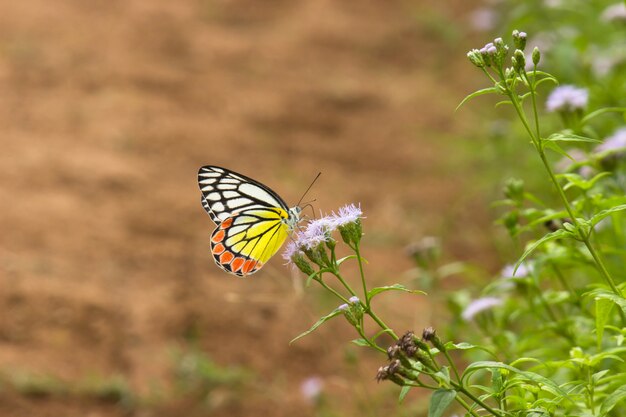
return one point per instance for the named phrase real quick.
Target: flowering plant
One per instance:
(565, 287)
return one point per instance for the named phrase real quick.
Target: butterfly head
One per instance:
(294, 217)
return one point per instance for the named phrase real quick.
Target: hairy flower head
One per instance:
(567, 98)
(347, 214)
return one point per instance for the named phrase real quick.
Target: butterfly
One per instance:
(252, 221)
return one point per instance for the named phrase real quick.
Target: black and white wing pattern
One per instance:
(225, 193)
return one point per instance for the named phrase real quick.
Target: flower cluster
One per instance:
(313, 240)
(410, 355)
(567, 98)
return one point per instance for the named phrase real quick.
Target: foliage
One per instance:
(546, 337)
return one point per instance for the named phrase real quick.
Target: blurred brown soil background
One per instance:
(107, 110)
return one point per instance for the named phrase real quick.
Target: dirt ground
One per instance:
(110, 304)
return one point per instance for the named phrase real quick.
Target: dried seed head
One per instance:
(382, 374)
(428, 334)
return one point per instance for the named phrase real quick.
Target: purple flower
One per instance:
(567, 98)
(615, 13)
(291, 250)
(615, 142)
(319, 231)
(347, 214)
(479, 305)
(316, 232)
(354, 299)
(343, 307)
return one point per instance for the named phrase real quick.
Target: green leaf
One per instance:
(556, 148)
(570, 137)
(604, 213)
(612, 400)
(403, 392)
(603, 309)
(602, 111)
(395, 287)
(439, 401)
(606, 295)
(530, 376)
(550, 236)
(543, 80)
(467, 346)
(361, 342)
(575, 180)
(345, 258)
(476, 94)
(321, 321)
(382, 332)
(500, 103)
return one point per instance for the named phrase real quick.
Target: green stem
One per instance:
(465, 405)
(537, 142)
(367, 309)
(477, 400)
(381, 323)
(332, 290)
(358, 257)
(369, 342)
(452, 365)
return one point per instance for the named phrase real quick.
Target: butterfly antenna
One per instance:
(308, 204)
(308, 189)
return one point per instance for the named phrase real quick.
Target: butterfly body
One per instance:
(252, 220)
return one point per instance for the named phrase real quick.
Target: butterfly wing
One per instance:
(225, 193)
(252, 220)
(242, 243)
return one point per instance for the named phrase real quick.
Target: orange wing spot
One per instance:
(219, 248)
(237, 264)
(249, 266)
(226, 223)
(226, 257)
(218, 237)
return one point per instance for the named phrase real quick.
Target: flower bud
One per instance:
(519, 39)
(520, 61)
(477, 58)
(514, 190)
(318, 255)
(352, 232)
(302, 264)
(536, 56)
(430, 335)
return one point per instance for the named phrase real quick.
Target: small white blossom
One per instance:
(567, 98)
(615, 13)
(479, 305)
(615, 142)
(354, 299)
(311, 388)
(343, 307)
